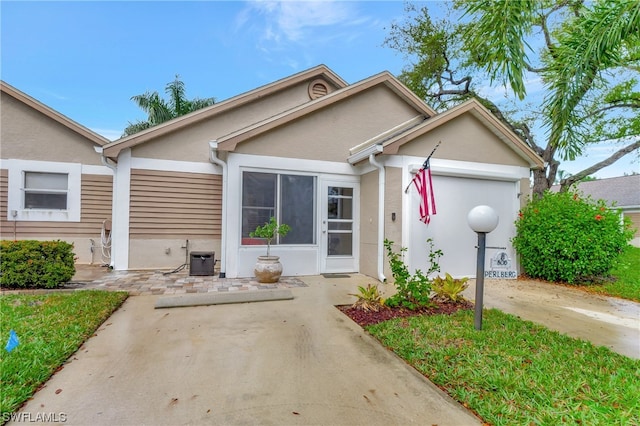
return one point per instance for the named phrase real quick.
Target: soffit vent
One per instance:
(318, 88)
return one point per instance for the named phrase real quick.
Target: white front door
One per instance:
(339, 226)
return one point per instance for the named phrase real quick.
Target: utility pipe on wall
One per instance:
(213, 158)
(381, 187)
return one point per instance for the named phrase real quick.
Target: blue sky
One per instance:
(86, 59)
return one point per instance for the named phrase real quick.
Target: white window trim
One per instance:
(15, 196)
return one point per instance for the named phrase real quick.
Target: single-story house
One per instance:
(331, 160)
(53, 185)
(621, 192)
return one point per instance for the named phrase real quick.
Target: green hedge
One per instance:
(36, 264)
(566, 237)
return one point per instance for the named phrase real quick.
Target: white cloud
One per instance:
(283, 25)
(54, 95)
(292, 20)
(110, 134)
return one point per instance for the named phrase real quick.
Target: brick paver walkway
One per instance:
(140, 283)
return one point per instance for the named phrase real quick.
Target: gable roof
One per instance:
(230, 141)
(321, 71)
(624, 191)
(472, 106)
(52, 114)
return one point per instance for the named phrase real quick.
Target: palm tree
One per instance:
(160, 110)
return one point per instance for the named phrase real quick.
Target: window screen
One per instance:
(45, 190)
(288, 198)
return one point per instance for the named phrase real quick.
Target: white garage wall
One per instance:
(455, 197)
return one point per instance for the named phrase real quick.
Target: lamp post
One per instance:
(482, 219)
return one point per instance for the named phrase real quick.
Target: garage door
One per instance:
(455, 197)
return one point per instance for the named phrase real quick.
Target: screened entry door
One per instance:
(339, 227)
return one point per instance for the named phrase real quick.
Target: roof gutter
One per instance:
(381, 188)
(213, 158)
(364, 154)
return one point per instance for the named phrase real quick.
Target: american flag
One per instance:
(424, 185)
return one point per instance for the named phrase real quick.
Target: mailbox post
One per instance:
(482, 219)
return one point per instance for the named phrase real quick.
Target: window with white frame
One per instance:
(46, 190)
(287, 197)
(43, 191)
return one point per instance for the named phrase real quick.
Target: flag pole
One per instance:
(424, 165)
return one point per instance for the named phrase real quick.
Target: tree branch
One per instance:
(608, 107)
(566, 183)
(535, 70)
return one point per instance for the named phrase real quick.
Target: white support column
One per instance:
(120, 214)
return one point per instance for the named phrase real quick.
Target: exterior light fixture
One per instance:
(482, 219)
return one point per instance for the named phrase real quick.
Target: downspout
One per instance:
(381, 188)
(213, 158)
(105, 162)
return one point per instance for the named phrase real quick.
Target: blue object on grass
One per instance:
(13, 341)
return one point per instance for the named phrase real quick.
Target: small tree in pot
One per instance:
(268, 268)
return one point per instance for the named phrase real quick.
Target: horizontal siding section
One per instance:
(95, 208)
(6, 227)
(175, 205)
(635, 220)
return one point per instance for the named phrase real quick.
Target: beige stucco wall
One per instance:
(369, 223)
(329, 133)
(191, 144)
(393, 204)
(27, 134)
(464, 138)
(369, 186)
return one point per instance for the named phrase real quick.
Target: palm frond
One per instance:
(498, 33)
(595, 44)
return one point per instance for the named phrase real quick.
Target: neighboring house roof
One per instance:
(474, 107)
(113, 149)
(624, 191)
(230, 141)
(51, 113)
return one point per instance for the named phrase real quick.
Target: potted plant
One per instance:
(268, 268)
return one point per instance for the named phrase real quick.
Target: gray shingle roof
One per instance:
(623, 190)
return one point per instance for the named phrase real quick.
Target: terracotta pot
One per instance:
(268, 269)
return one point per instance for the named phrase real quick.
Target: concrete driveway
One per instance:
(299, 361)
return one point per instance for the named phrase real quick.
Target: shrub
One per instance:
(566, 237)
(369, 298)
(36, 264)
(413, 291)
(449, 289)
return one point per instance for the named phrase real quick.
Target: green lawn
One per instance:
(516, 372)
(626, 283)
(50, 328)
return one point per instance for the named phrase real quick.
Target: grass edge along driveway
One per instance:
(50, 328)
(517, 372)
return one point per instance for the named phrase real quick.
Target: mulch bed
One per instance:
(364, 318)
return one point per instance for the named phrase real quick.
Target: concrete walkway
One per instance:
(298, 361)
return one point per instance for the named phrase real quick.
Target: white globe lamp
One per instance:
(483, 219)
